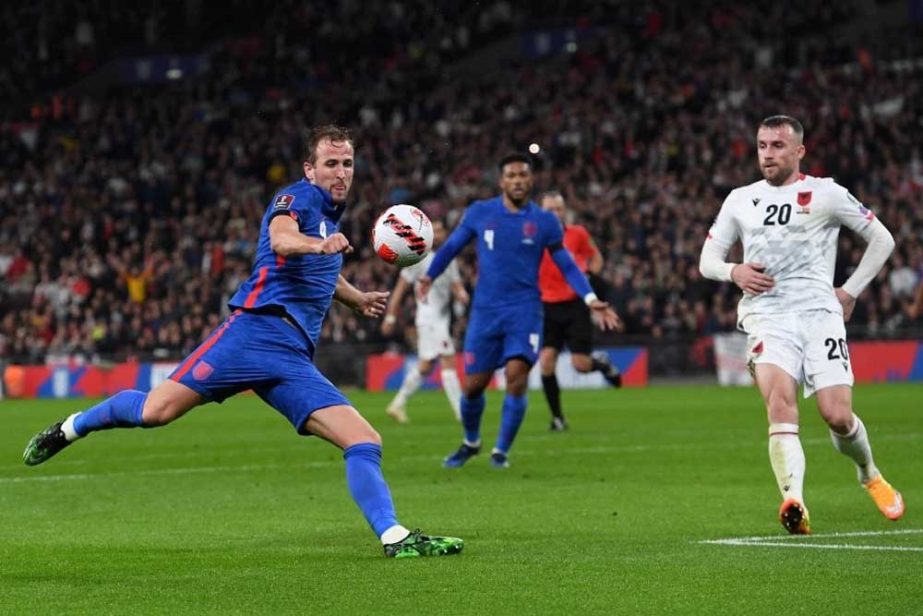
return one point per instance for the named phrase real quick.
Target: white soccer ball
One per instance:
(402, 235)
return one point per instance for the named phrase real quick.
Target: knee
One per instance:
(516, 384)
(582, 363)
(838, 416)
(781, 408)
(372, 436)
(547, 363)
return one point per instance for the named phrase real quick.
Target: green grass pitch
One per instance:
(228, 511)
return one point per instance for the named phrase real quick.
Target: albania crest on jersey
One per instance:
(804, 202)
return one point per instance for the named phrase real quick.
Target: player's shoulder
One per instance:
(297, 194)
(480, 207)
(577, 230)
(746, 191)
(821, 184)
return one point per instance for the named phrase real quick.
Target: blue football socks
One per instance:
(123, 410)
(514, 410)
(367, 486)
(471, 411)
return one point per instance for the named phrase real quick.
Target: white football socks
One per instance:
(412, 381)
(787, 459)
(395, 534)
(452, 390)
(855, 444)
(67, 427)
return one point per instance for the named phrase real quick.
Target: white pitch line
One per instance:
(801, 541)
(823, 546)
(857, 533)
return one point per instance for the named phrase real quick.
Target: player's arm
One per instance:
(286, 240)
(368, 303)
(595, 262)
(603, 314)
(457, 240)
(857, 217)
(722, 235)
(394, 302)
(595, 266)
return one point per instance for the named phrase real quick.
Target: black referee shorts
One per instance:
(568, 323)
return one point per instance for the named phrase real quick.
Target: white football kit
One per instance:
(792, 230)
(433, 317)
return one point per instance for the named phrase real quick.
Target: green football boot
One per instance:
(417, 544)
(45, 444)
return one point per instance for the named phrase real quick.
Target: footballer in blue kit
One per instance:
(511, 234)
(267, 344)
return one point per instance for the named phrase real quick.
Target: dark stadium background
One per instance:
(140, 143)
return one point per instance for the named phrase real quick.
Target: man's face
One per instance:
(555, 205)
(780, 152)
(332, 169)
(516, 182)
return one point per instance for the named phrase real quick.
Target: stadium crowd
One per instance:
(128, 219)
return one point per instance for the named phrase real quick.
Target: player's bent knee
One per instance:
(582, 363)
(839, 416)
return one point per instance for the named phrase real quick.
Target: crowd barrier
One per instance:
(386, 371)
(890, 361)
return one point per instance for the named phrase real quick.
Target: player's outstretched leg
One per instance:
(397, 408)
(472, 409)
(370, 491)
(343, 426)
(122, 410)
(855, 444)
(602, 363)
(416, 544)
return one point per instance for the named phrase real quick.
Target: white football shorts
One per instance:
(810, 346)
(434, 339)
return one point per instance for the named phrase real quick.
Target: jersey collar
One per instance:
(328, 208)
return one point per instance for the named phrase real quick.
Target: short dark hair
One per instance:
(552, 194)
(336, 134)
(784, 120)
(515, 157)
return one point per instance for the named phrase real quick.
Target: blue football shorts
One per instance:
(264, 353)
(496, 335)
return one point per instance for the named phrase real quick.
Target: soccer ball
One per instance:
(402, 235)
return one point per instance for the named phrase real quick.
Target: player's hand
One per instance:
(751, 279)
(334, 244)
(387, 325)
(847, 301)
(604, 316)
(423, 285)
(462, 297)
(372, 303)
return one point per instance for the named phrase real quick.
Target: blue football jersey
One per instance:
(510, 246)
(302, 286)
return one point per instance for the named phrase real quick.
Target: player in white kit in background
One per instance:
(789, 223)
(434, 336)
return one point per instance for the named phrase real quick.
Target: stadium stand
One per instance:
(129, 213)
